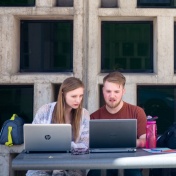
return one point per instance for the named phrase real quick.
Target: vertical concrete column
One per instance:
(4, 164)
(127, 4)
(85, 51)
(11, 171)
(165, 38)
(6, 46)
(42, 94)
(78, 39)
(45, 3)
(1, 163)
(94, 60)
(10, 45)
(130, 95)
(15, 45)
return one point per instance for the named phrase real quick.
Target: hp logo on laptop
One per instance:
(47, 137)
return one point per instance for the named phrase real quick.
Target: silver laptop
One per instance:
(117, 135)
(47, 137)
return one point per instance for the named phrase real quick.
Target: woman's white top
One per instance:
(44, 116)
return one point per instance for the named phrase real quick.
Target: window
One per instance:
(46, 46)
(158, 101)
(101, 99)
(127, 46)
(56, 91)
(17, 3)
(64, 3)
(16, 99)
(109, 3)
(156, 3)
(175, 47)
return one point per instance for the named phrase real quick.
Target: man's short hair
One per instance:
(115, 77)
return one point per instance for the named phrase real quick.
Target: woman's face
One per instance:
(74, 97)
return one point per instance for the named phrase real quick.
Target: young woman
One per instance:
(68, 109)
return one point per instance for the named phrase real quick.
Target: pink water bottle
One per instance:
(151, 134)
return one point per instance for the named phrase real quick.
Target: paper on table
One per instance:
(160, 150)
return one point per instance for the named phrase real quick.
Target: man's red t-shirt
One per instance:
(128, 111)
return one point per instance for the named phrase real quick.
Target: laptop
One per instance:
(116, 135)
(47, 137)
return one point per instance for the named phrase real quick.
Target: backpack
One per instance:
(168, 139)
(12, 131)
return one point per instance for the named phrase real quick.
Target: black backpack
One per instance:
(12, 131)
(168, 139)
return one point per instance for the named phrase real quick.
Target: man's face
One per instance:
(113, 94)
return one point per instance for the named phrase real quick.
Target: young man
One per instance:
(116, 108)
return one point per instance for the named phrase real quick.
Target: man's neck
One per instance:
(116, 109)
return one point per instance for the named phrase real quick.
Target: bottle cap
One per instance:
(151, 122)
(150, 118)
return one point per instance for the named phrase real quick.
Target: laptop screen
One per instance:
(111, 134)
(47, 137)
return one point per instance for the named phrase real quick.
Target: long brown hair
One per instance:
(68, 85)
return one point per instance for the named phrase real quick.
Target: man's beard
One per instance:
(113, 105)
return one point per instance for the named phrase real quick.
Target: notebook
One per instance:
(47, 137)
(117, 135)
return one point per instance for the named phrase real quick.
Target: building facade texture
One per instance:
(87, 16)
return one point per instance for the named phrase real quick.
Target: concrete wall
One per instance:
(87, 16)
(6, 156)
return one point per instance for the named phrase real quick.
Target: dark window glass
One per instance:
(127, 46)
(109, 3)
(46, 46)
(101, 102)
(175, 47)
(156, 3)
(158, 101)
(16, 99)
(17, 3)
(56, 91)
(65, 3)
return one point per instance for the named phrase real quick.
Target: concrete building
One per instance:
(87, 16)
